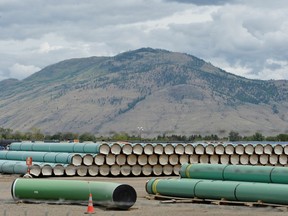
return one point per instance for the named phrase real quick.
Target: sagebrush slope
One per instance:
(162, 91)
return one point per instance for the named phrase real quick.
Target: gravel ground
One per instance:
(143, 206)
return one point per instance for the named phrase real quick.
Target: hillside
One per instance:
(161, 91)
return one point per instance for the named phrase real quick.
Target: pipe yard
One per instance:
(133, 176)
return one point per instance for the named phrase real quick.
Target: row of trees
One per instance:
(35, 134)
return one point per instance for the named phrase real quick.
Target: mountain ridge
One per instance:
(159, 90)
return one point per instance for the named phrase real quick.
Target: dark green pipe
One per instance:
(265, 174)
(121, 196)
(214, 189)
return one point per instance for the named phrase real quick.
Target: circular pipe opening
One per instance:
(82, 170)
(99, 159)
(121, 159)
(132, 159)
(152, 159)
(214, 159)
(115, 148)
(127, 149)
(148, 149)
(125, 170)
(142, 160)
(104, 170)
(124, 196)
(179, 149)
(167, 169)
(93, 170)
(263, 159)
(158, 149)
(115, 170)
(88, 159)
(189, 149)
(104, 149)
(157, 170)
(163, 159)
(136, 170)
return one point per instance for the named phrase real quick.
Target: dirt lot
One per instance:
(142, 207)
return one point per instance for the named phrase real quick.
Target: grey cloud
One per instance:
(36, 33)
(204, 2)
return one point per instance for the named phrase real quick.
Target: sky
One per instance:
(248, 38)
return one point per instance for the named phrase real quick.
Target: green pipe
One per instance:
(56, 147)
(115, 195)
(18, 167)
(202, 171)
(172, 187)
(248, 173)
(52, 157)
(214, 189)
(265, 174)
(269, 193)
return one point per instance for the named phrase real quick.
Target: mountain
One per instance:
(161, 91)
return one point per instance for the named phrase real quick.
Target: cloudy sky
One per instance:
(245, 37)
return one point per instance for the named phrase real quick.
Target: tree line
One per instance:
(35, 134)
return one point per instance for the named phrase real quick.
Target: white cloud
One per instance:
(240, 36)
(46, 48)
(22, 71)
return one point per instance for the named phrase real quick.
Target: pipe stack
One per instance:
(230, 182)
(134, 159)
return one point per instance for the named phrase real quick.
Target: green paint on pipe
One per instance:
(269, 193)
(265, 174)
(56, 147)
(18, 167)
(202, 171)
(121, 196)
(173, 186)
(215, 189)
(51, 157)
(247, 173)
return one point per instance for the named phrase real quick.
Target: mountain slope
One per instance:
(161, 91)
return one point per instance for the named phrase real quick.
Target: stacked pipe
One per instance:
(135, 159)
(268, 184)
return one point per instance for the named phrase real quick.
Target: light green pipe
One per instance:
(18, 167)
(50, 157)
(121, 196)
(214, 189)
(56, 147)
(265, 174)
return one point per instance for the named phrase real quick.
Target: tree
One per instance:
(87, 137)
(5, 133)
(234, 136)
(258, 137)
(282, 137)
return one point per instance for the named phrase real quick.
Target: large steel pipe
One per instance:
(213, 189)
(148, 149)
(159, 149)
(179, 148)
(18, 167)
(266, 174)
(121, 196)
(189, 149)
(56, 147)
(49, 157)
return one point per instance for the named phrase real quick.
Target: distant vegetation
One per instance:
(35, 134)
